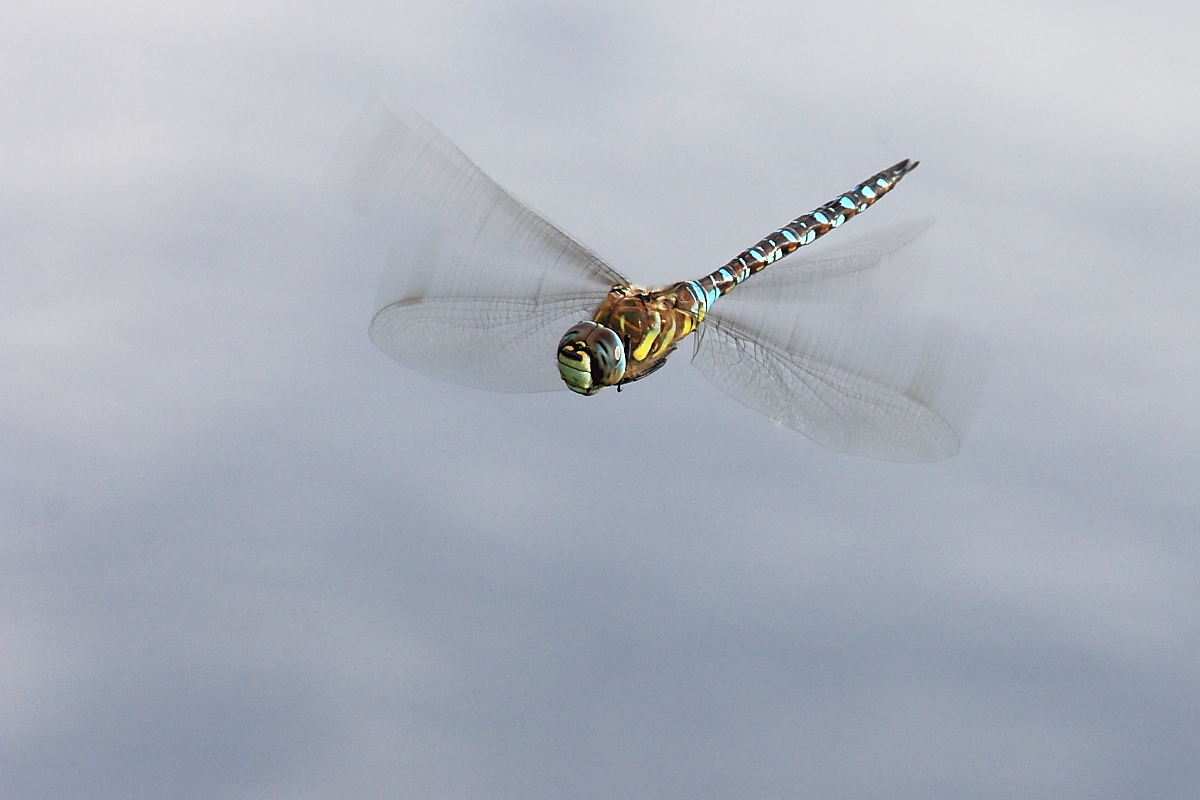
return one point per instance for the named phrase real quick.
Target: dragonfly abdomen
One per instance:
(799, 232)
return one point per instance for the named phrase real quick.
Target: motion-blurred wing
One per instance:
(478, 288)
(861, 386)
(806, 274)
(506, 344)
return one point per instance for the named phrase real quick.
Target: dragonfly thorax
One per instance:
(590, 357)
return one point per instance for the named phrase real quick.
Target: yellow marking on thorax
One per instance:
(644, 346)
(668, 338)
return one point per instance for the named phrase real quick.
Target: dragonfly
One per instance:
(480, 290)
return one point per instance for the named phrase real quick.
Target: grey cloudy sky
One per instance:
(244, 555)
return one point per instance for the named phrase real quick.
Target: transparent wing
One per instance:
(823, 273)
(862, 385)
(478, 287)
(506, 344)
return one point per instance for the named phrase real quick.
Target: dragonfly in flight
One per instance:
(481, 290)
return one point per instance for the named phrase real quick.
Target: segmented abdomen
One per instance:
(799, 232)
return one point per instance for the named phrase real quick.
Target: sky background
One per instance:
(244, 555)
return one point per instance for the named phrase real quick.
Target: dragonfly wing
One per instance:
(863, 386)
(503, 344)
(478, 287)
(807, 275)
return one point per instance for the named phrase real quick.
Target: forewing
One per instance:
(504, 344)
(864, 386)
(478, 287)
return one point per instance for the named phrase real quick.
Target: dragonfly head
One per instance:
(590, 357)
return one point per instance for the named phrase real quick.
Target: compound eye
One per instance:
(575, 361)
(590, 357)
(608, 356)
(576, 333)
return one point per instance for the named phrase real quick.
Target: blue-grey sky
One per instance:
(244, 555)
